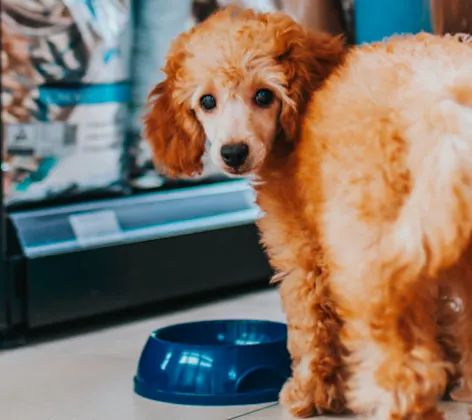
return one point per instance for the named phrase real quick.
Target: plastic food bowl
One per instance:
(233, 362)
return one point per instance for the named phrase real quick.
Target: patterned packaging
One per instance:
(65, 90)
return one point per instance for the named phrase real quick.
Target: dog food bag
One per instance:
(65, 91)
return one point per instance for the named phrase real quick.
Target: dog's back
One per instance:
(395, 127)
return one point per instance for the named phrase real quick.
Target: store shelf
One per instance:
(82, 260)
(127, 220)
(3, 283)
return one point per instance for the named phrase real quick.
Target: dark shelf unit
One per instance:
(3, 284)
(70, 262)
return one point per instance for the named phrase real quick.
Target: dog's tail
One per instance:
(434, 226)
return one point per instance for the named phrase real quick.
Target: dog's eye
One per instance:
(264, 97)
(208, 102)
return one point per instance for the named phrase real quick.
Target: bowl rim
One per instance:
(282, 338)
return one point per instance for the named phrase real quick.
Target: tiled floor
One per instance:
(89, 377)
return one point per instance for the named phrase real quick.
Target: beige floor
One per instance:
(89, 377)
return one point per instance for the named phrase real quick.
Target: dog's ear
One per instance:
(308, 57)
(176, 137)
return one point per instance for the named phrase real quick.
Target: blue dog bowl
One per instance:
(232, 362)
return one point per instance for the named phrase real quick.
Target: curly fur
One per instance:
(366, 189)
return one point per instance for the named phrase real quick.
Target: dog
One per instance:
(362, 164)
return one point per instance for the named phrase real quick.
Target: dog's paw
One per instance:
(462, 394)
(429, 415)
(298, 400)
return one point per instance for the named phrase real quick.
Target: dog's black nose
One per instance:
(234, 155)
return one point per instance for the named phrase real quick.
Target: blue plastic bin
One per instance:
(377, 19)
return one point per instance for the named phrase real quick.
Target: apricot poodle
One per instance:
(363, 168)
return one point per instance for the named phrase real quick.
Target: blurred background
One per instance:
(88, 226)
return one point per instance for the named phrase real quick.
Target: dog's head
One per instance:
(240, 80)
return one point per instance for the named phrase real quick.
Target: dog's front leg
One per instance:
(317, 385)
